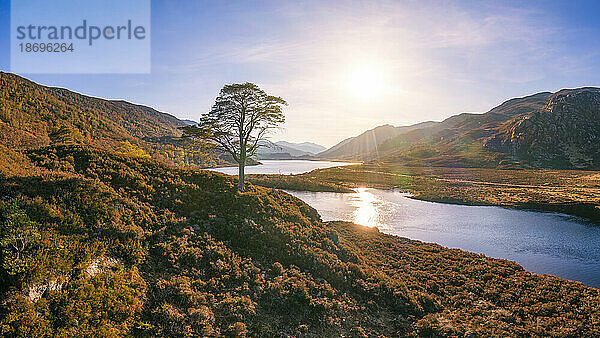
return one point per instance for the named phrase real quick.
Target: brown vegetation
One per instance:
(122, 245)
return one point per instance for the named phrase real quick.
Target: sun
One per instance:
(365, 80)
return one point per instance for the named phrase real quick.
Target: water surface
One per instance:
(282, 167)
(551, 243)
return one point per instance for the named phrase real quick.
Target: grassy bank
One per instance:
(297, 182)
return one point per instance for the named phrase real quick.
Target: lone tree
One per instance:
(238, 121)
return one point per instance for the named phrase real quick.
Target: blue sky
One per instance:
(346, 66)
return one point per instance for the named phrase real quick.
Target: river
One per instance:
(282, 167)
(550, 243)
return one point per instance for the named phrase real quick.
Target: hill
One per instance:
(546, 130)
(116, 245)
(287, 150)
(189, 122)
(459, 140)
(565, 133)
(308, 147)
(270, 150)
(367, 143)
(31, 113)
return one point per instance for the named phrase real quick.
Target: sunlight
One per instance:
(366, 212)
(365, 80)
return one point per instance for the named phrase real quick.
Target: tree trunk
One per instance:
(242, 163)
(241, 176)
(241, 166)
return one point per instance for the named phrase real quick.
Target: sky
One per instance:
(348, 66)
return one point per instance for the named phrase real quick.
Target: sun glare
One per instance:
(366, 211)
(365, 80)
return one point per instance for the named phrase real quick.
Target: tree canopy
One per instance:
(240, 118)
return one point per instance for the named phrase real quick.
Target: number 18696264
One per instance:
(46, 47)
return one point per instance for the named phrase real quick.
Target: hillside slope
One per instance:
(309, 147)
(287, 150)
(269, 150)
(565, 133)
(119, 246)
(546, 130)
(30, 113)
(459, 139)
(367, 143)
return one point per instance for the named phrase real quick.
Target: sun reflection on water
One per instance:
(366, 212)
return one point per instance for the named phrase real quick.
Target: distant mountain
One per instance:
(30, 113)
(269, 150)
(459, 139)
(545, 130)
(189, 122)
(565, 133)
(307, 147)
(287, 150)
(367, 143)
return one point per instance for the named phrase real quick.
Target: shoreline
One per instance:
(281, 159)
(583, 211)
(524, 190)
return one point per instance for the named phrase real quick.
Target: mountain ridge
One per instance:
(487, 140)
(368, 141)
(308, 147)
(561, 134)
(30, 112)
